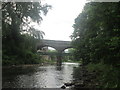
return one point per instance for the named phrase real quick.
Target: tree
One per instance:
(96, 38)
(94, 30)
(16, 19)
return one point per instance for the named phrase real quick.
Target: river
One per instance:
(36, 76)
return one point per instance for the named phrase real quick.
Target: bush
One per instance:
(107, 75)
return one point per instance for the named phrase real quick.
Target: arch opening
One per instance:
(69, 50)
(48, 54)
(46, 48)
(68, 55)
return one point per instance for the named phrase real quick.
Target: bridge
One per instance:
(56, 44)
(54, 53)
(59, 45)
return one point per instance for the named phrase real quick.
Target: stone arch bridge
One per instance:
(56, 44)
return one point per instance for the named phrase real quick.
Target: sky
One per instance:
(58, 22)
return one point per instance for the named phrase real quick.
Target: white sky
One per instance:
(58, 23)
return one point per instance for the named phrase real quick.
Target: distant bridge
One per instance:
(56, 44)
(59, 45)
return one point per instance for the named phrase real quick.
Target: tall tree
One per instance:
(96, 33)
(96, 38)
(16, 19)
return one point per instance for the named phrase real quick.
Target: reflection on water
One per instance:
(50, 76)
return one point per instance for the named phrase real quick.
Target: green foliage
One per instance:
(107, 75)
(96, 38)
(51, 50)
(96, 35)
(19, 38)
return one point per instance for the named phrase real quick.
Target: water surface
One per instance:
(36, 76)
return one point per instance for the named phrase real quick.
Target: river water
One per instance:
(36, 76)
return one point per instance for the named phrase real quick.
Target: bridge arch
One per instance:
(67, 48)
(57, 44)
(42, 46)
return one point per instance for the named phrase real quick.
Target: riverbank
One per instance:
(83, 79)
(95, 76)
(87, 78)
